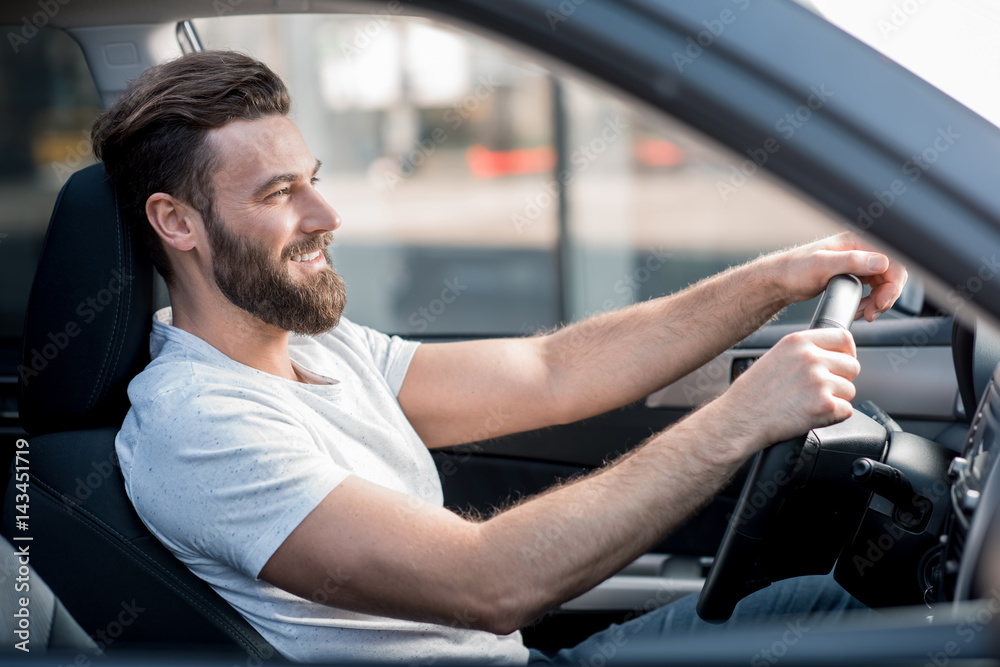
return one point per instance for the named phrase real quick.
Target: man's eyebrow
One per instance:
(274, 181)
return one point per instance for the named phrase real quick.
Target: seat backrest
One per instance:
(87, 325)
(86, 335)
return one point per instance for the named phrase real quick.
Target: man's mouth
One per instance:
(307, 257)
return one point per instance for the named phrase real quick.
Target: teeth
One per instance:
(306, 258)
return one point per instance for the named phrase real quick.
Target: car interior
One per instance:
(891, 500)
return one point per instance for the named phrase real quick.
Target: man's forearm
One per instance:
(471, 390)
(561, 544)
(401, 557)
(619, 357)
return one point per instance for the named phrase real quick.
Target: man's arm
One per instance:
(388, 554)
(467, 391)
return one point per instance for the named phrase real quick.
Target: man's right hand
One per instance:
(805, 381)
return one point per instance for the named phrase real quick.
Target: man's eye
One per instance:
(314, 180)
(279, 193)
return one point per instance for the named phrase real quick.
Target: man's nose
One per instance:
(319, 216)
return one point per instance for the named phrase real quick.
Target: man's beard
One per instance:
(250, 277)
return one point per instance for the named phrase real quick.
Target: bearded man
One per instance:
(281, 451)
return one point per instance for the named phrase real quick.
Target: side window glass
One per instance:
(483, 194)
(432, 141)
(49, 105)
(654, 208)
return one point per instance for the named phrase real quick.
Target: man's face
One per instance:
(269, 228)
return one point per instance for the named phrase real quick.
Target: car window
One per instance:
(429, 140)
(48, 106)
(656, 208)
(484, 194)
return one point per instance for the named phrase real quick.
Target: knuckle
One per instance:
(844, 337)
(816, 375)
(798, 338)
(850, 391)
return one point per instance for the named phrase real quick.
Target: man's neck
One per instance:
(237, 334)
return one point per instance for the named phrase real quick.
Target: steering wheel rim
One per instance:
(777, 470)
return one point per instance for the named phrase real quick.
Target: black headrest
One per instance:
(86, 332)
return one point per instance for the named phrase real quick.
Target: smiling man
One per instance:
(281, 451)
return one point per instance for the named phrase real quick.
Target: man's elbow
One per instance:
(502, 617)
(495, 595)
(502, 608)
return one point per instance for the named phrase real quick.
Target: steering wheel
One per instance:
(736, 571)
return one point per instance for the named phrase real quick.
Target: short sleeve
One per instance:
(223, 473)
(390, 354)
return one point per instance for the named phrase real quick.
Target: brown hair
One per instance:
(153, 137)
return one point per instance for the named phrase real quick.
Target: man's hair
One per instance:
(154, 137)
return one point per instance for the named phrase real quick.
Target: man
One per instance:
(292, 472)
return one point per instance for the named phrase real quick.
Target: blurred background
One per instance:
(481, 193)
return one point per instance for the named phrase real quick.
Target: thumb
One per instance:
(863, 263)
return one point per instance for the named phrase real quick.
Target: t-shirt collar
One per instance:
(164, 330)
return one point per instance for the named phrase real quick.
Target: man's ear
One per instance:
(173, 220)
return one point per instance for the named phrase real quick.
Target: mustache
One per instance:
(309, 245)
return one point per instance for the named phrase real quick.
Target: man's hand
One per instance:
(808, 268)
(805, 381)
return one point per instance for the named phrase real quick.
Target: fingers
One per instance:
(894, 275)
(804, 381)
(843, 366)
(845, 253)
(832, 340)
(880, 299)
(828, 358)
(861, 262)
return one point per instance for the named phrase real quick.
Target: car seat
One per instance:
(32, 618)
(86, 335)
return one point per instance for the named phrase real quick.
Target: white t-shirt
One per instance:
(223, 461)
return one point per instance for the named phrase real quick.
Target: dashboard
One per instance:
(970, 537)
